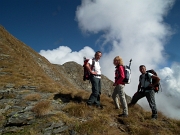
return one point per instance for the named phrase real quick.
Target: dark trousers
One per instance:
(96, 91)
(150, 96)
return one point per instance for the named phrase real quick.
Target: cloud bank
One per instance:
(64, 54)
(132, 29)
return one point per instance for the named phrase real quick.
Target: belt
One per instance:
(97, 75)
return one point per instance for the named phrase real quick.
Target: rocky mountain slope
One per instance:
(23, 65)
(40, 98)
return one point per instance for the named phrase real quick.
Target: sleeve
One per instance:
(90, 61)
(140, 78)
(122, 75)
(150, 74)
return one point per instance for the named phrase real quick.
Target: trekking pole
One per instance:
(160, 86)
(130, 62)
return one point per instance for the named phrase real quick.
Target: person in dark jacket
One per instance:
(145, 89)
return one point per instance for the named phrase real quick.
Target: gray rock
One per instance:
(20, 119)
(59, 130)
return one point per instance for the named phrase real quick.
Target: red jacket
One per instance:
(119, 74)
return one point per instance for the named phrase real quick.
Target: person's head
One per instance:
(98, 55)
(117, 61)
(142, 69)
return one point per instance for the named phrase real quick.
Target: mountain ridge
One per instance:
(37, 97)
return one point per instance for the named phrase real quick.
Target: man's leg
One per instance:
(99, 91)
(136, 97)
(95, 92)
(151, 100)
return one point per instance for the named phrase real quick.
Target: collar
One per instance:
(117, 66)
(95, 60)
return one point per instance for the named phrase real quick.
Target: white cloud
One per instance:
(171, 80)
(64, 54)
(133, 28)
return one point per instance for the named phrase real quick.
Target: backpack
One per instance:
(87, 74)
(157, 86)
(127, 73)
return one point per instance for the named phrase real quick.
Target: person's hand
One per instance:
(94, 73)
(151, 85)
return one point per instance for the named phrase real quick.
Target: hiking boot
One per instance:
(123, 115)
(89, 105)
(99, 106)
(154, 117)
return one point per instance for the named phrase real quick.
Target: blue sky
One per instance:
(147, 31)
(44, 24)
(173, 19)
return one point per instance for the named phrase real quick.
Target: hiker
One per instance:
(145, 89)
(119, 86)
(95, 80)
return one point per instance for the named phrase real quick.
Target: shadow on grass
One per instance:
(65, 98)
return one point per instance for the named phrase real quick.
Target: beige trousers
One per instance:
(119, 91)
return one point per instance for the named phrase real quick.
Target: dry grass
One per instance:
(138, 123)
(33, 97)
(65, 118)
(19, 64)
(42, 108)
(98, 121)
(177, 122)
(2, 120)
(32, 132)
(99, 124)
(49, 87)
(9, 95)
(80, 95)
(77, 110)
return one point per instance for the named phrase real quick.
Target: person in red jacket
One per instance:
(119, 86)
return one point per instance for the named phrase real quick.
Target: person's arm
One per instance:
(139, 87)
(121, 75)
(88, 66)
(156, 78)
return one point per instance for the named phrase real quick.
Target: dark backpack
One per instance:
(87, 74)
(157, 86)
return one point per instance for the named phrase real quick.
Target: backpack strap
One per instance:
(140, 77)
(93, 63)
(147, 77)
(118, 73)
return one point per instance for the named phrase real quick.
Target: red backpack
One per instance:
(87, 74)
